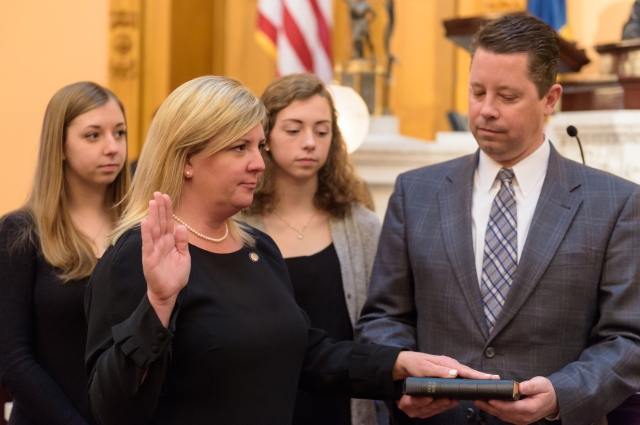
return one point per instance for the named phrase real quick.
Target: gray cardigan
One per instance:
(355, 238)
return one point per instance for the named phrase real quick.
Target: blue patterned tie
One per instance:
(500, 249)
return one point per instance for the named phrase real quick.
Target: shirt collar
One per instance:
(527, 172)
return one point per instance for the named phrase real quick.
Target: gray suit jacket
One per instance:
(573, 311)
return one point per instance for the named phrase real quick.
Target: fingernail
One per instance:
(453, 372)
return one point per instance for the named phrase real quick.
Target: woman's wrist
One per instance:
(162, 307)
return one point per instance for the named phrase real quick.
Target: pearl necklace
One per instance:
(200, 235)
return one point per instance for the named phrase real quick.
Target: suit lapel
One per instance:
(455, 214)
(557, 206)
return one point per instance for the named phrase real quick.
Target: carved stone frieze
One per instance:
(124, 38)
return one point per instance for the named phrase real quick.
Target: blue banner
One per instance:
(553, 12)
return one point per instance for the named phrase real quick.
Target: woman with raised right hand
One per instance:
(203, 327)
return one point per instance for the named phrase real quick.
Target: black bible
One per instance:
(462, 389)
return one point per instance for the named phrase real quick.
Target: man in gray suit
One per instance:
(515, 260)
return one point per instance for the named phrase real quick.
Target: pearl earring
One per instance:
(187, 173)
(267, 148)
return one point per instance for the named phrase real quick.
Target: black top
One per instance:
(236, 347)
(42, 333)
(318, 290)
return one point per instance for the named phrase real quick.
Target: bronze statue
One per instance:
(368, 75)
(391, 59)
(361, 14)
(632, 27)
(389, 6)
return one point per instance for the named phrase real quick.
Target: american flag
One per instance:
(298, 34)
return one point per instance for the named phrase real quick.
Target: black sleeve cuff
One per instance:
(142, 337)
(371, 371)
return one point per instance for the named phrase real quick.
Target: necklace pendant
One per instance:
(300, 236)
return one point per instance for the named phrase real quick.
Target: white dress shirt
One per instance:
(527, 184)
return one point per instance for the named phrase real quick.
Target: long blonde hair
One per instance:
(201, 117)
(62, 244)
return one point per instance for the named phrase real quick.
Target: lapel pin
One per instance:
(254, 257)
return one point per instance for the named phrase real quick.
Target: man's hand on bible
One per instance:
(539, 402)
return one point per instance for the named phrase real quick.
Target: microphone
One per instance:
(573, 132)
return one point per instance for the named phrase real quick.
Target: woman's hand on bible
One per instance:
(165, 256)
(410, 363)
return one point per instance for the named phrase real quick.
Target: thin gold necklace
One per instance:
(93, 239)
(97, 233)
(301, 231)
(200, 235)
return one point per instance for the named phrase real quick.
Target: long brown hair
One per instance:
(338, 185)
(62, 244)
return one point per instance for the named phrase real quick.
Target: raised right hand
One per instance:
(165, 256)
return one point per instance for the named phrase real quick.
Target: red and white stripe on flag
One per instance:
(297, 34)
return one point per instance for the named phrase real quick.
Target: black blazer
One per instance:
(235, 350)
